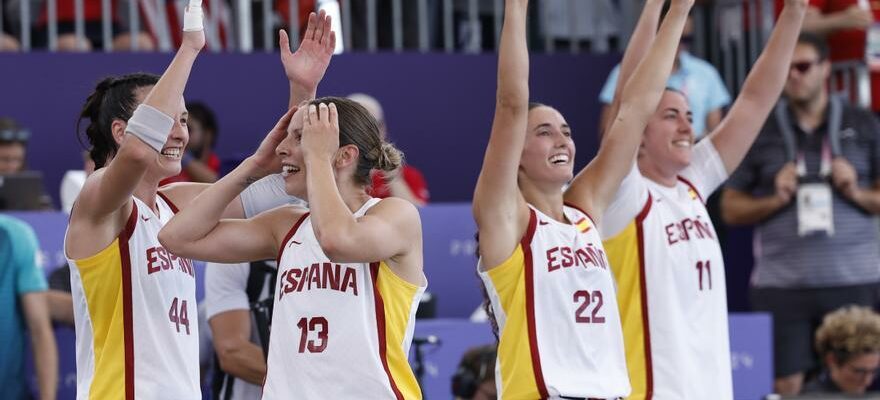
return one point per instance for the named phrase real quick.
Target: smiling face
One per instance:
(168, 160)
(548, 155)
(292, 162)
(669, 137)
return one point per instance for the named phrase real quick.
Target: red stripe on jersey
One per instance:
(530, 303)
(127, 323)
(288, 237)
(380, 326)
(168, 201)
(694, 188)
(649, 366)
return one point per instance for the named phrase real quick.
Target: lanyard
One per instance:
(830, 143)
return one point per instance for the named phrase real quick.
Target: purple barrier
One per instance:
(438, 107)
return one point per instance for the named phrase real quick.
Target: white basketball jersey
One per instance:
(555, 304)
(136, 318)
(339, 331)
(672, 290)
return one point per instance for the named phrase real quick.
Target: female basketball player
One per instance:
(134, 302)
(542, 261)
(349, 268)
(661, 243)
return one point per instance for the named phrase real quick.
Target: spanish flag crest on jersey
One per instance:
(693, 193)
(583, 225)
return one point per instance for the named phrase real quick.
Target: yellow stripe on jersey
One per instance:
(623, 255)
(398, 297)
(101, 277)
(514, 355)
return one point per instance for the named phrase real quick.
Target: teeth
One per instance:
(682, 143)
(559, 158)
(288, 169)
(171, 152)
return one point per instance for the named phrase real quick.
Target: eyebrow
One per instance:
(548, 125)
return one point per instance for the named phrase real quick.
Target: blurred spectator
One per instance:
(848, 342)
(811, 184)
(844, 22)
(13, 146)
(23, 305)
(238, 300)
(413, 186)
(698, 79)
(475, 377)
(200, 163)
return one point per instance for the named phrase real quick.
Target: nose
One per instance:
(284, 148)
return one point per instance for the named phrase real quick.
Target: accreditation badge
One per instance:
(814, 209)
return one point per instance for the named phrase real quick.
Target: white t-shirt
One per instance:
(226, 290)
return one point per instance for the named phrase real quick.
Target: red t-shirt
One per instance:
(413, 178)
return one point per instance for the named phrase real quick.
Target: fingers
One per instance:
(312, 115)
(283, 41)
(333, 115)
(331, 44)
(327, 29)
(319, 26)
(311, 26)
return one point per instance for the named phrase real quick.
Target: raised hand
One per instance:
(320, 136)
(265, 158)
(193, 27)
(306, 67)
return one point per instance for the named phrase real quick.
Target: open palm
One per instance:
(306, 67)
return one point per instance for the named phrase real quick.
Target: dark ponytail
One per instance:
(114, 98)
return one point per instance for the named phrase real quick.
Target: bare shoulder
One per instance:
(396, 210)
(182, 193)
(89, 232)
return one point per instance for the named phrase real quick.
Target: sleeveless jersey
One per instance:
(671, 286)
(135, 313)
(339, 330)
(555, 304)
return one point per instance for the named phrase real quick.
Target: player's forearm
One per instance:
(205, 211)
(332, 220)
(243, 360)
(45, 361)
(299, 94)
(739, 208)
(824, 24)
(199, 172)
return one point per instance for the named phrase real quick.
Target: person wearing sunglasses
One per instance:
(849, 344)
(811, 185)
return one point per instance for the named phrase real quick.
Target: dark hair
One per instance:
(11, 132)
(113, 98)
(357, 127)
(201, 112)
(817, 42)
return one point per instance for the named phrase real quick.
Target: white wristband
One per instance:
(193, 17)
(150, 125)
(266, 194)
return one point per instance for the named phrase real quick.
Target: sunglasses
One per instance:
(804, 66)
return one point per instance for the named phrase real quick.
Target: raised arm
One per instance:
(641, 40)
(499, 208)
(594, 187)
(109, 190)
(852, 17)
(736, 133)
(391, 230)
(197, 231)
(306, 67)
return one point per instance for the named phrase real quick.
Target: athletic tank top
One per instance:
(673, 298)
(555, 304)
(339, 330)
(135, 314)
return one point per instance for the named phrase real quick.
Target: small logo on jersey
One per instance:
(583, 225)
(542, 223)
(848, 133)
(145, 218)
(693, 193)
(294, 242)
